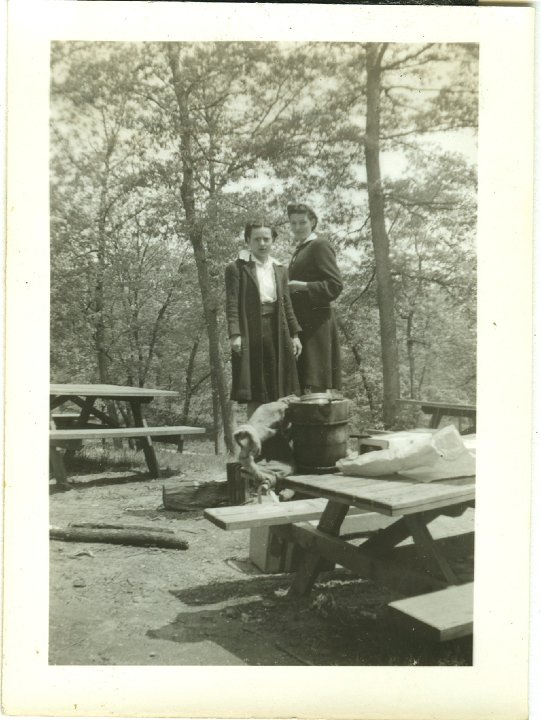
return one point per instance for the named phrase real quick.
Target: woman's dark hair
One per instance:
(302, 209)
(253, 225)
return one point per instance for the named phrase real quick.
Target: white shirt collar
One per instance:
(247, 256)
(312, 236)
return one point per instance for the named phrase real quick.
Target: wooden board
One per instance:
(239, 517)
(453, 408)
(388, 496)
(445, 614)
(118, 391)
(110, 432)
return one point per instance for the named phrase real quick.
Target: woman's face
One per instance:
(301, 226)
(260, 243)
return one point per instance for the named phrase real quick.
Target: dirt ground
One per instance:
(207, 605)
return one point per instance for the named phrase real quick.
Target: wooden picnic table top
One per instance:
(388, 496)
(116, 391)
(440, 405)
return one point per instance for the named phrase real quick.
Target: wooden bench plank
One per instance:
(445, 614)
(239, 517)
(269, 514)
(121, 432)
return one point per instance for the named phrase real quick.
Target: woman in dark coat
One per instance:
(314, 283)
(263, 329)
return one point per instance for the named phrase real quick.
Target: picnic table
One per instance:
(390, 510)
(413, 505)
(93, 422)
(438, 410)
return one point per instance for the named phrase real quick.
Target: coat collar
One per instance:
(310, 237)
(247, 256)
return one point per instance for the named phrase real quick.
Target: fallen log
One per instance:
(117, 537)
(112, 526)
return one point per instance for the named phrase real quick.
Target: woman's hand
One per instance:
(236, 343)
(297, 286)
(297, 346)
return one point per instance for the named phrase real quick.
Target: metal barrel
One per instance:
(319, 432)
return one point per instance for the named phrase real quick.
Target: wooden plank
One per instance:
(116, 391)
(107, 420)
(239, 517)
(446, 614)
(121, 432)
(467, 410)
(389, 497)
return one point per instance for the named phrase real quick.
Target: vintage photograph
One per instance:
(263, 352)
(268, 361)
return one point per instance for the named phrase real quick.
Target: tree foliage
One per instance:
(160, 152)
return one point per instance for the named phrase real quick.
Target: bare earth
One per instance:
(208, 605)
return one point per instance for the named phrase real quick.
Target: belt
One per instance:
(268, 308)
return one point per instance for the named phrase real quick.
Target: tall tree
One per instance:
(380, 239)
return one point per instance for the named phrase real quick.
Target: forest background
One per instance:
(160, 152)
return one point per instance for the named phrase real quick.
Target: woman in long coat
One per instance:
(315, 282)
(263, 329)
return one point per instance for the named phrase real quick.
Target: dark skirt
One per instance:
(264, 383)
(319, 364)
(268, 389)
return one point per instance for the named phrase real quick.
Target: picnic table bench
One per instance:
(68, 429)
(443, 615)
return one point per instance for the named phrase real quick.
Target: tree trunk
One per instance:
(99, 303)
(411, 354)
(380, 240)
(195, 234)
(188, 381)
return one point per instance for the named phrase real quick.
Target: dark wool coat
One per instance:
(319, 365)
(243, 310)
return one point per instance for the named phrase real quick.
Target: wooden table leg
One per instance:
(384, 540)
(59, 469)
(86, 408)
(148, 447)
(436, 418)
(310, 565)
(429, 553)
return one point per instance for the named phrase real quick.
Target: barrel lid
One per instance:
(320, 398)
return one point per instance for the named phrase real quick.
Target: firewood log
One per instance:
(117, 537)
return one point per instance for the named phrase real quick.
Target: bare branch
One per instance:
(411, 56)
